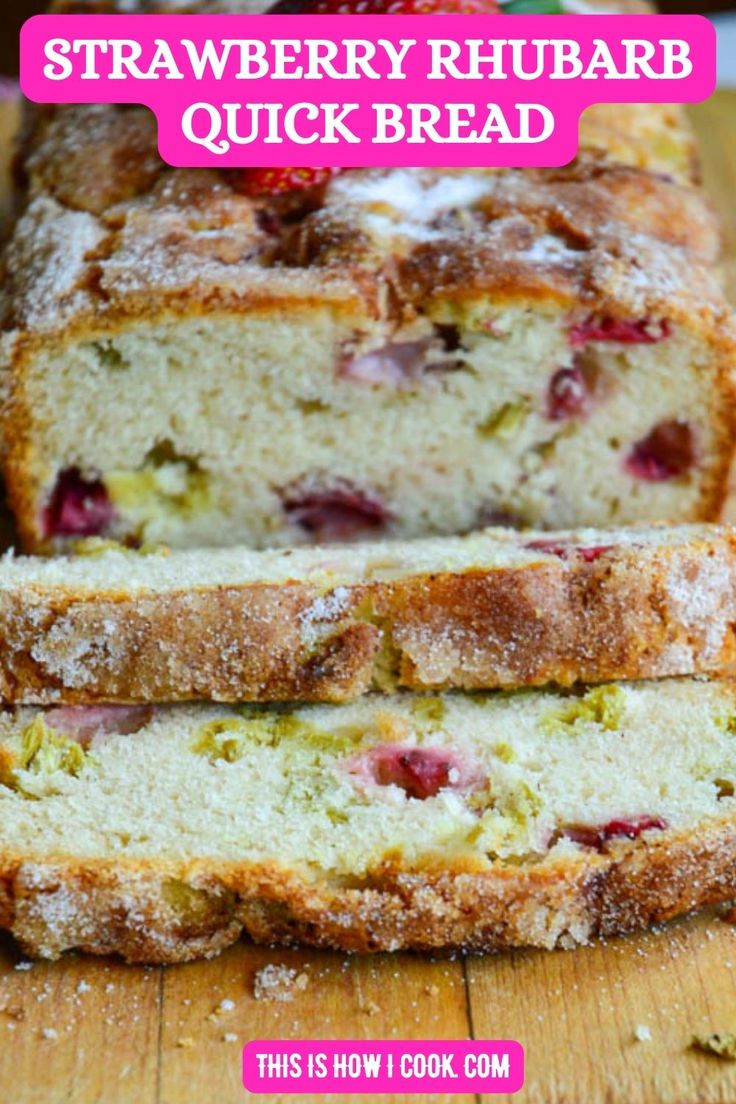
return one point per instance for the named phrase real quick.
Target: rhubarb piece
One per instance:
(419, 772)
(667, 452)
(84, 722)
(602, 706)
(597, 837)
(642, 331)
(40, 751)
(335, 513)
(78, 507)
(506, 422)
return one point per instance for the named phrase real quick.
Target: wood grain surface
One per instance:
(608, 1024)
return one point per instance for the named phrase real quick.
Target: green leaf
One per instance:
(533, 7)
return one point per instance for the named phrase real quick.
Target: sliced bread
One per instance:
(494, 609)
(483, 821)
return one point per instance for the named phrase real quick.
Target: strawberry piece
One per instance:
(393, 364)
(569, 394)
(597, 837)
(398, 364)
(666, 453)
(385, 7)
(642, 331)
(78, 507)
(419, 772)
(335, 513)
(589, 554)
(277, 182)
(85, 722)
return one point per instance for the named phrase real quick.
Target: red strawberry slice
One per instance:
(393, 364)
(590, 555)
(84, 722)
(668, 452)
(385, 7)
(642, 331)
(398, 364)
(336, 513)
(277, 182)
(78, 507)
(597, 837)
(554, 548)
(570, 393)
(419, 772)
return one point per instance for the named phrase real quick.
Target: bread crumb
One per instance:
(222, 1009)
(642, 1033)
(185, 1041)
(229, 1037)
(720, 1043)
(370, 1008)
(432, 990)
(23, 966)
(50, 1033)
(278, 983)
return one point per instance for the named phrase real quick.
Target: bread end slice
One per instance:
(427, 823)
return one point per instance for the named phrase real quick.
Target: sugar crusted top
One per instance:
(136, 235)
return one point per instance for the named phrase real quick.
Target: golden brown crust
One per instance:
(636, 611)
(131, 242)
(161, 912)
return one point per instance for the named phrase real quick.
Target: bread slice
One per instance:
(494, 609)
(396, 353)
(484, 821)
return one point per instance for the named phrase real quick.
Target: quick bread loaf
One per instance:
(379, 353)
(522, 736)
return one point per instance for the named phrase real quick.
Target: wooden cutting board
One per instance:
(87, 1031)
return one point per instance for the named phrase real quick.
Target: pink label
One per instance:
(382, 1067)
(354, 91)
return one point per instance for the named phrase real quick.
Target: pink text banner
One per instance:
(357, 91)
(347, 1067)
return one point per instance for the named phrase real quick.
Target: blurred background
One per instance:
(14, 12)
